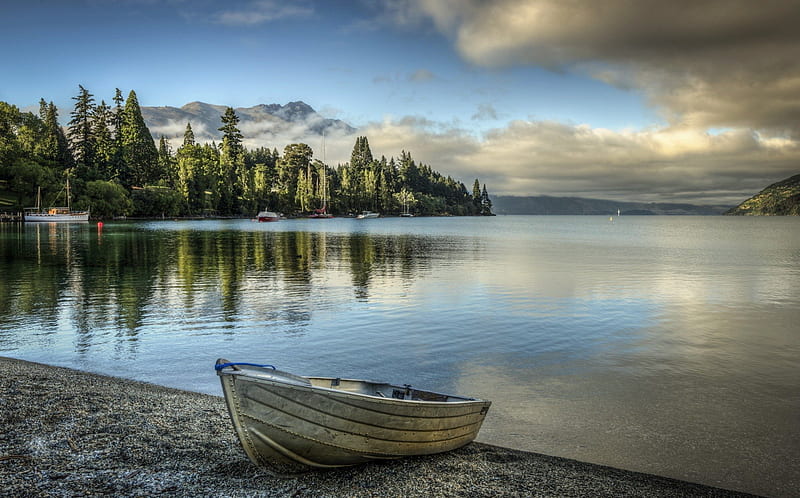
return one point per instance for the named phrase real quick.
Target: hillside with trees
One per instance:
(116, 169)
(779, 199)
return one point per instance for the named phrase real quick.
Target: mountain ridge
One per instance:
(549, 205)
(295, 119)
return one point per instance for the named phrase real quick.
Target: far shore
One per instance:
(67, 433)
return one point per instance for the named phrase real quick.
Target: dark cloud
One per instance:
(706, 63)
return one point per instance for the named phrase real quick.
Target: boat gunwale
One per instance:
(461, 400)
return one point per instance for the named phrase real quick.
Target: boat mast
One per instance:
(324, 177)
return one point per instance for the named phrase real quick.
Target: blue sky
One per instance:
(643, 101)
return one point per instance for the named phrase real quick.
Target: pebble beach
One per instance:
(72, 433)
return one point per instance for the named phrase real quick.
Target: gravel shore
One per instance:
(68, 433)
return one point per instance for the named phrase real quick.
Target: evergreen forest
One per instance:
(116, 169)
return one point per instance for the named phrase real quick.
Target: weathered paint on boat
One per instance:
(291, 424)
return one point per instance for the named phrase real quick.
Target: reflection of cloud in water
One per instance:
(684, 397)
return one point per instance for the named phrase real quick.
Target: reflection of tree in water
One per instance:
(370, 256)
(127, 280)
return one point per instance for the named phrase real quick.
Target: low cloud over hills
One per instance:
(261, 125)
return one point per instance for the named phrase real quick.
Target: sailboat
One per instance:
(406, 213)
(322, 213)
(55, 214)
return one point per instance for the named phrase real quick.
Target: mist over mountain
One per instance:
(261, 125)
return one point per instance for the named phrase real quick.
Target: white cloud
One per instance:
(549, 158)
(421, 75)
(263, 11)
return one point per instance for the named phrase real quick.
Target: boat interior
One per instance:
(383, 390)
(363, 387)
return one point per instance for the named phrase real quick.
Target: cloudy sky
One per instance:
(640, 100)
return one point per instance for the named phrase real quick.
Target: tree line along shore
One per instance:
(116, 169)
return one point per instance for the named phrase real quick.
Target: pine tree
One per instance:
(231, 167)
(231, 136)
(116, 168)
(118, 108)
(361, 156)
(167, 164)
(188, 135)
(105, 146)
(486, 203)
(80, 128)
(64, 156)
(53, 147)
(476, 195)
(139, 152)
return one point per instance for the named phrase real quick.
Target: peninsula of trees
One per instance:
(779, 199)
(116, 169)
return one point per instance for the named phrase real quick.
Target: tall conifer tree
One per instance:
(54, 147)
(105, 146)
(80, 128)
(232, 177)
(476, 194)
(167, 165)
(117, 166)
(188, 135)
(139, 151)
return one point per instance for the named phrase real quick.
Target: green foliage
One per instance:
(156, 202)
(105, 146)
(80, 128)
(105, 199)
(118, 170)
(779, 199)
(188, 135)
(139, 152)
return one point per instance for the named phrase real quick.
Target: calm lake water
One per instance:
(667, 345)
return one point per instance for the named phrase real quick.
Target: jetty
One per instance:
(11, 217)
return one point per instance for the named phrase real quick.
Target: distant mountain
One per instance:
(578, 205)
(295, 119)
(782, 198)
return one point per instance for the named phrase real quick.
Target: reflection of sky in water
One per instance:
(667, 345)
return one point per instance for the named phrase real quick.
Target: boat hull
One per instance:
(297, 425)
(267, 216)
(57, 218)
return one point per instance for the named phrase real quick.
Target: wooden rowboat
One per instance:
(291, 424)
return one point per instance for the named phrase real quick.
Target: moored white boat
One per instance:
(365, 215)
(290, 423)
(55, 214)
